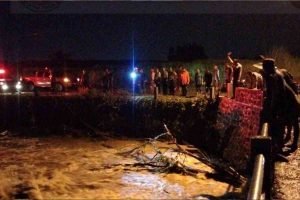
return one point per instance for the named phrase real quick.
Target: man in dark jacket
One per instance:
(207, 80)
(280, 105)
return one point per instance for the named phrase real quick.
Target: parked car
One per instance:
(9, 83)
(38, 79)
(56, 80)
(63, 79)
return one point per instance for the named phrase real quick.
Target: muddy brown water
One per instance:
(81, 168)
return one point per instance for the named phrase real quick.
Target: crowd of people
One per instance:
(281, 107)
(168, 80)
(103, 79)
(171, 81)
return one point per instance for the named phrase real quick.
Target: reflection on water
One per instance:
(152, 182)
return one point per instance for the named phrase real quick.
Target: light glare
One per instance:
(4, 87)
(133, 75)
(18, 86)
(66, 80)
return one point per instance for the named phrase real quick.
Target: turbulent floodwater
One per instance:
(70, 168)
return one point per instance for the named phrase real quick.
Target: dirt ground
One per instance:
(287, 178)
(82, 168)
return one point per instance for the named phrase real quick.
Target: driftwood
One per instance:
(162, 163)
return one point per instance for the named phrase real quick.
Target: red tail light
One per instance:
(2, 71)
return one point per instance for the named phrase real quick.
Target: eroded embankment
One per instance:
(190, 119)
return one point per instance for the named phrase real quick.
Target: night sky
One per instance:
(106, 30)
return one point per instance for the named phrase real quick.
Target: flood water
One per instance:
(82, 168)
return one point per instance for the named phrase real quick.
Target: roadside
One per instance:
(287, 178)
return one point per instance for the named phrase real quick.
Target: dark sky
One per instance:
(105, 30)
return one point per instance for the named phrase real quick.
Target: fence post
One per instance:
(256, 186)
(262, 144)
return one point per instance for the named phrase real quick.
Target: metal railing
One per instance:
(260, 186)
(256, 186)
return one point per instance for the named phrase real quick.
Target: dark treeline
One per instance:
(73, 63)
(187, 52)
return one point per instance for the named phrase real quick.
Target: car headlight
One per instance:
(66, 80)
(4, 87)
(18, 86)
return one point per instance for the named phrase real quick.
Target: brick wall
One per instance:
(242, 116)
(249, 96)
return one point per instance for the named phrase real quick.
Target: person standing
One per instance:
(84, 80)
(172, 81)
(207, 80)
(178, 81)
(165, 81)
(157, 80)
(142, 81)
(236, 72)
(151, 80)
(198, 81)
(291, 118)
(185, 81)
(228, 73)
(216, 79)
(228, 79)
